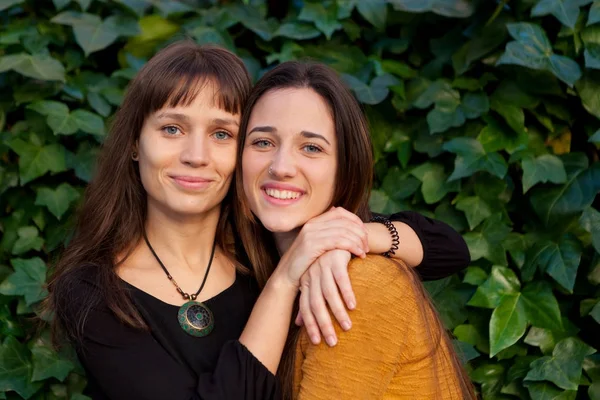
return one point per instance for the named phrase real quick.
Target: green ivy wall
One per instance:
(484, 114)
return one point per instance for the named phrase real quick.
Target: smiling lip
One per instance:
(279, 194)
(191, 182)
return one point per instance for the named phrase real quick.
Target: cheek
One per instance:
(253, 164)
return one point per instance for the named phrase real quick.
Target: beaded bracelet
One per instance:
(393, 232)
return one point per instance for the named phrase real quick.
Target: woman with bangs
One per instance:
(302, 130)
(156, 292)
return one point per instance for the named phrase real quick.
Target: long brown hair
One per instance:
(111, 217)
(352, 189)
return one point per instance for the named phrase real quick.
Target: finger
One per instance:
(298, 321)
(310, 323)
(340, 274)
(319, 310)
(334, 300)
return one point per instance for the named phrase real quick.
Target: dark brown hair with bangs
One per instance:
(352, 189)
(111, 217)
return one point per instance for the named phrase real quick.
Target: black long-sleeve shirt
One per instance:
(166, 363)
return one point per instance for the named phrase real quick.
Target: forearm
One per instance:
(266, 331)
(410, 248)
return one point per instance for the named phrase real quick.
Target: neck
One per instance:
(284, 240)
(184, 242)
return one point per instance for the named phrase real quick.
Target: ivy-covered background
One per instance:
(484, 114)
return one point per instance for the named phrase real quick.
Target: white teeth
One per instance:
(282, 194)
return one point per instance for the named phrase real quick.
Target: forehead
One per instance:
(293, 109)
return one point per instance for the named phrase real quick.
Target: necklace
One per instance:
(195, 318)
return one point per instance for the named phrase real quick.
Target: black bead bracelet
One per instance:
(393, 232)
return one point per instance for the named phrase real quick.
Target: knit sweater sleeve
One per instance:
(386, 352)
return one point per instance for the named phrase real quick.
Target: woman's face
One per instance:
(289, 160)
(187, 155)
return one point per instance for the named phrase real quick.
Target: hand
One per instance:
(334, 229)
(319, 284)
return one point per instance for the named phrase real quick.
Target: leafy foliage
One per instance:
(484, 114)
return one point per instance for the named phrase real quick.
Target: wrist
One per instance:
(392, 234)
(379, 237)
(280, 283)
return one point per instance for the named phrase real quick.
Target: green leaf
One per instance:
(58, 200)
(374, 93)
(471, 157)
(447, 8)
(595, 138)
(48, 364)
(547, 391)
(324, 19)
(545, 168)
(434, 185)
(501, 281)
(58, 117)
(37, 66)
(566, 11)
(508, 323)
(29, 239)
(551, 205)
(28, 280)
(88, 122)
(475, 276)
(588, 88)
(532, 49)
(560, 260)
(591, 56)
(35, 161)
(84, 161)
(5, 4)
(297, 30)
(374, 11)
(488, 242)
(541, 306)
(564, 367)
(95, 36)
(590, 221)
(15, 369)
(594, 15)
(476, 210)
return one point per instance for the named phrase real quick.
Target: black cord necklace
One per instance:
(194, 317)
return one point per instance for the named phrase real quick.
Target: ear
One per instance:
(134, 152)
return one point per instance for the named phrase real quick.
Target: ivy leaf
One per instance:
(594, 15)
(476, 210)
(564, 367)
(324, 19)
(37, 66)
(374, 93)
(560, 260)
(91, 33)
(35, 161)
(566, 11)
(48, 364)
(573, 197)
(541, 306)
(532, 49)
(28, 280)
(57, 200)
(488, 241)
(434, 185)
(29, 239)
(501, 281)
(591, 55)
(545, 168)
(454, 8)
(588, 88)
(15, 369)
(546, 340)
(547, 391)
(6, 4)
(508, 323)
(590, 221)
(57, 116)
(88, 122)
(297, 30)
(84, 161)
(374, 11)
(471, 157)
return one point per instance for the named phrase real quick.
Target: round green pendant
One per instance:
(196, 319)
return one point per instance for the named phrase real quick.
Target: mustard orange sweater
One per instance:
(387, 354)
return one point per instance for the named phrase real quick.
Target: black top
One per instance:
(166, 363)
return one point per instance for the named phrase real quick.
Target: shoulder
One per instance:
(379, 273)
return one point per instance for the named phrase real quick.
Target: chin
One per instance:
(282, 224)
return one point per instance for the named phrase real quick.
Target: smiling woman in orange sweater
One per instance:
(305, 147)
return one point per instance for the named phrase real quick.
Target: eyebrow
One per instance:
(225, 121)
(175, 116)
(306, 134)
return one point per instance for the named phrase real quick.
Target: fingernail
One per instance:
(351, 305)
(315, 339)
(346, 325)
(331, 340)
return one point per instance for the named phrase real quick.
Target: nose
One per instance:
(283, 164)
(195, 150)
